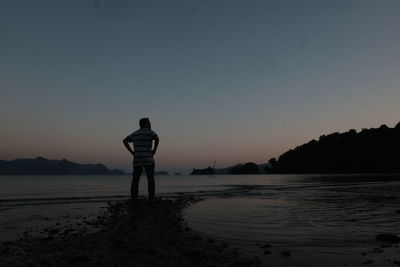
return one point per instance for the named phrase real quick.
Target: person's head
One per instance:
(145, 123)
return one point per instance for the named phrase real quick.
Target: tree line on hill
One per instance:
(374, 150)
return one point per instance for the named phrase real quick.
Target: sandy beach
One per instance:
(126, 234)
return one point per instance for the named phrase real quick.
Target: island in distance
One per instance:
(161, 173)
(166, 173)
(246, 168)
(43, 166)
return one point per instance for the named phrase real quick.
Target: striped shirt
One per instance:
(142, 143)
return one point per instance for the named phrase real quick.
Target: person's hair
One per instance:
(143, 122)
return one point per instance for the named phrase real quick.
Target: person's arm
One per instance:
(156, 141)
(126, 142)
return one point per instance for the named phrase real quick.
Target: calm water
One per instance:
(321, 219)
(329, 219)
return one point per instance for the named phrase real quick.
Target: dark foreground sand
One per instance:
(127, 234)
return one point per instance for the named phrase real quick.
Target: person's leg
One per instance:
(137, 171)
(150, 181)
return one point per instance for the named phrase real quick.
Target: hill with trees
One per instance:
(247, 168)
(43, 166)
(375, 150)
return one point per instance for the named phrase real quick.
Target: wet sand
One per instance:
(126, 234)
(38, 219)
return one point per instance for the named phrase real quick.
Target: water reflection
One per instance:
(316, 218)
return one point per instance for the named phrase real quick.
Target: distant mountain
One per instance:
(374, 150)
(43, 166)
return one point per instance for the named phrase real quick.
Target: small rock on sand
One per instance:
(267, 252)
(6, 250)
(367, 262)
(265, 246)
(286, 253)
(389, 238)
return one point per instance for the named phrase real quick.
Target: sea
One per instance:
(285, 220)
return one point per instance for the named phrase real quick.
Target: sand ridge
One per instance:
(128, 233)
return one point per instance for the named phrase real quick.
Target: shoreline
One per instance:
(126, 234)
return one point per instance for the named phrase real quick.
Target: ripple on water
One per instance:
(314, 231)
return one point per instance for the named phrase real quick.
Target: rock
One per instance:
(286, 253)
(265, 246)
(378, 250)
(46, 263)
(78, 258)
(389, 238)
(396, 262)
(6, 250)
(194, 254)
(367, 262)
(397, 211)
(53, 231)
(267, 252)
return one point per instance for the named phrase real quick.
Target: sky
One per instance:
(231, 81)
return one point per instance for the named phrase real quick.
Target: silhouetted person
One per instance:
(142, 156)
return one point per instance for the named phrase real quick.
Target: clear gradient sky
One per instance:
(232, 81)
